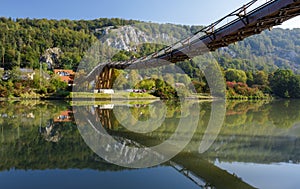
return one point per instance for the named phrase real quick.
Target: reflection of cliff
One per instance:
(255, 149)
(31, 151)
(50, 131)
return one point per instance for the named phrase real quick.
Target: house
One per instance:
(27, 74)
(65, 75)
(24, 74)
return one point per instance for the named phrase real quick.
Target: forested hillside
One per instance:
(24, 41)
(259, 66)
(279, 48)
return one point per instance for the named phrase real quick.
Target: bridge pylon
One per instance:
(105, 79)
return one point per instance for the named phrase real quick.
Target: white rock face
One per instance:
(51, 57)
(128, 37)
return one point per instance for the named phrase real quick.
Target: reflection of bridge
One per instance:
(210, 38)
(205, 174)
(191, 165)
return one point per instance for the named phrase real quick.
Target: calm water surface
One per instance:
(44, 145)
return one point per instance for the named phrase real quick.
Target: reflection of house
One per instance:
(65, 75)
(64, 116)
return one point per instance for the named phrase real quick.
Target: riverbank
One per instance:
(85, 96)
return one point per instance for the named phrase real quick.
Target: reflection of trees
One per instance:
(241, 112)
(282, 113)
(142, 113)
(22, 147)
(252, 132)
(285, 113)
(200, 168)
(25, 114)
(18, 116)
(258, 132)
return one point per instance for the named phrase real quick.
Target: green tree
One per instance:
(236, 75)
(250, 78)
(147, 84)
(294, 86)
(280, 81)
(57, 84)
(261, 78)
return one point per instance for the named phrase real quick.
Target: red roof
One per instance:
(70, 72)
(65, 75)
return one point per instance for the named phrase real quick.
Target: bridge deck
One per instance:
(210, 38)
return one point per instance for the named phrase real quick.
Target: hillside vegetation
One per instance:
(252, 67)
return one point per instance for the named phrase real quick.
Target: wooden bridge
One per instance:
(247, 21)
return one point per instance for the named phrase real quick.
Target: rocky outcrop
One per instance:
(128, 37)
(51, 57)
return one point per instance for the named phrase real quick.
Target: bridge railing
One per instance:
(224, 22)
(241, 13)
(206, 34)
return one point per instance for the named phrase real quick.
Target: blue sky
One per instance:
(188, 12)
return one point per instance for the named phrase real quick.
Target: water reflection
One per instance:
(134, 153)
(43, 136)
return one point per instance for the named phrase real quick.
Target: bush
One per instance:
(242, 91)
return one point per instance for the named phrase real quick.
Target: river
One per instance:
(155, 144)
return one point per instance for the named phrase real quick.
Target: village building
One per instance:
(65, 75)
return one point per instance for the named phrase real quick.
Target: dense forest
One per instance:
(263, 64)
(23, 42)
(268, 51)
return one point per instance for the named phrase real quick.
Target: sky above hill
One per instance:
(187, 12)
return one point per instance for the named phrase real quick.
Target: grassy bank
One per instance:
(118, 95)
